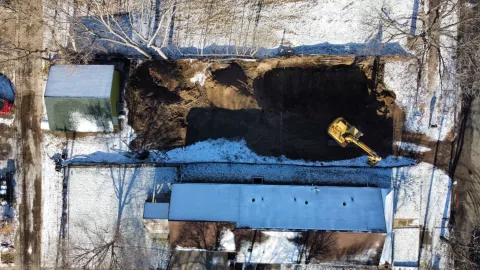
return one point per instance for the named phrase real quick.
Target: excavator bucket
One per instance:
(344, 133)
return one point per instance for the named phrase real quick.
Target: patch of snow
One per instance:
(290, 235)
(412, 147)
(223, 150)
(406, 242)
(102, 157)
(386, 256)
(83, 123)
(188, 248)
(277, 248)
(44, 125)
(6, 121)
(228, 240)
(199, 78)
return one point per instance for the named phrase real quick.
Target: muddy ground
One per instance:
(26, 32)
(6, 132)
(279, 106)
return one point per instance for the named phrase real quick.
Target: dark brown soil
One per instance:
(202, 235)
(280, 107)
(6, 132)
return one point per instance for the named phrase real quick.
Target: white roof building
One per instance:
(281, 207)
(94, 81)
(82, 98)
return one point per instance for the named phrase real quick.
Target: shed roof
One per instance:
(281, 206)
(155, 210)
(84, 81)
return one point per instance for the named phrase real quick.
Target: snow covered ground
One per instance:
(411, 147)
(422, 192)
(217, 151)
(278, 248)
(261, 28)
(422, 195)
(6, 121)
(52, 182)
(426, 112)
(100, 199)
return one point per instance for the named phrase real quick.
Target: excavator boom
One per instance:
(344, 133)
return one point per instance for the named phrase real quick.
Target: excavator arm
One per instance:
(344, 133)
(373, 158)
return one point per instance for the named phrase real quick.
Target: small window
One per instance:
(257, 180)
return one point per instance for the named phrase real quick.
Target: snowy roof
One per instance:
(80, 81)
(155, 210)
(281, 206)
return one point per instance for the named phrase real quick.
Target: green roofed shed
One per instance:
(82, 98)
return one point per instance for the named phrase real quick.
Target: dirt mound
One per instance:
(159, 97)
(278, 109)
(234, 77)
(229, 88)
(157, 82)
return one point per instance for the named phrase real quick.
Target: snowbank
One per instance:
(223, 150)
(411, 147)
(6, 121)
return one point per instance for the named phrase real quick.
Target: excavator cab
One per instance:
(344, 133)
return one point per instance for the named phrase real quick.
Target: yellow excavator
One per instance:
(344, 133)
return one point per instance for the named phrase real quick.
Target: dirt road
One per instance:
(467, 176)
(466, 164)
(28, 82)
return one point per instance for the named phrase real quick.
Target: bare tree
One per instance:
(202, 235)
(133, 24)
(115, 244)
(314, 245)
(433, 28)
(466, 254)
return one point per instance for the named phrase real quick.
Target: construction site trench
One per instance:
(278, 106)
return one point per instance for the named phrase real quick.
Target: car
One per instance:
(5, 106)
